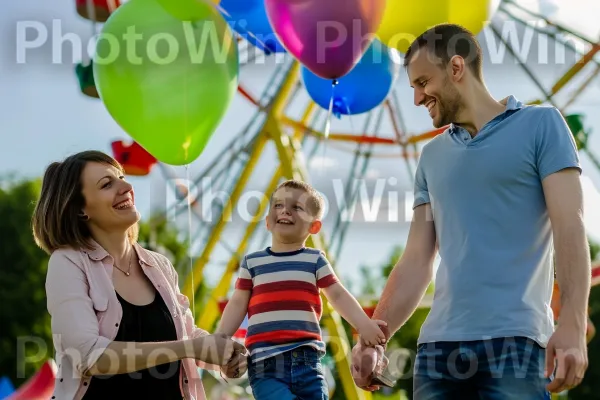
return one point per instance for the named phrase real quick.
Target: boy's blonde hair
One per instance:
(315, 202)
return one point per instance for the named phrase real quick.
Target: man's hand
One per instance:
(567, 349)
(365, 362)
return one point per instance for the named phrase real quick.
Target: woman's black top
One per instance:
(148, 323)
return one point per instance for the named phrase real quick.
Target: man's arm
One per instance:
(412, 274)
(564, 200)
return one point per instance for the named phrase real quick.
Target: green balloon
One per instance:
(186, 10)
(166, 82)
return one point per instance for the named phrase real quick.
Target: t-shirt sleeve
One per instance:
(555, 144)
(325, 274)
(421, 192)
(244, 280)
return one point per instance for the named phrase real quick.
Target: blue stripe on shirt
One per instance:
(304, 326)
(284, 266)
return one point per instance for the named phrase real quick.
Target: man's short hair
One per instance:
(445, 41)
(315, 201)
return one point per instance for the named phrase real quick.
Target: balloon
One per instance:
(249, 19)
(167, 83)
(186, 10)
(328, 37)
(404, 20)
(362, 89)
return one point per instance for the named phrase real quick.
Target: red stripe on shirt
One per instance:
(327, 281)
(243, 284)
(283, 296)
(285, 285)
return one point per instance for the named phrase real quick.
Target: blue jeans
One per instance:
(495, 369)
(296, 374)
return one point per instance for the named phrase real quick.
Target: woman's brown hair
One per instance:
(57, 221)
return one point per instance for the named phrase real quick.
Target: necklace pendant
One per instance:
(127, 273)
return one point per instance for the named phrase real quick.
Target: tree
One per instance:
(25, 338)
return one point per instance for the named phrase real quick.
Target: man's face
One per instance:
(433, 88)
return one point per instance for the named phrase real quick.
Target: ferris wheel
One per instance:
(380, 132)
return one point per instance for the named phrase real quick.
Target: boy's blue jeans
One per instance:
(495, 369)
(296, 374)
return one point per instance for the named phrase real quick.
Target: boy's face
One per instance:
(290, 218)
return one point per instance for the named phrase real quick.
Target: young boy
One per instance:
(279, 289)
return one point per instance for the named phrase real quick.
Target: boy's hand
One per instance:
(371, 334)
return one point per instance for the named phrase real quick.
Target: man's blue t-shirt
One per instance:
(496, 273)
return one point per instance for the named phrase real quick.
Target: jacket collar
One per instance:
(511, 103)
(98, 253)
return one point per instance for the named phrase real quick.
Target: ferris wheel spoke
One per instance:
(539, 16)
(523, 65)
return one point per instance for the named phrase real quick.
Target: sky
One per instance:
(44, 117)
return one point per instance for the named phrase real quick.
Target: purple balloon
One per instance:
(327, 36)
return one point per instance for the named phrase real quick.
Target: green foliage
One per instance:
(594, 250)
(23, 315)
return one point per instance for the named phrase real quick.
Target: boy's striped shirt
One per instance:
(285, 306)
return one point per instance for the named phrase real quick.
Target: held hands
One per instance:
(367, 361)
(236, 367)
(216, 349)
(371, 333)
(567, 350)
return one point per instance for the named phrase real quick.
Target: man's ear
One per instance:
(457, 68)
(315, 227)
(267, 223)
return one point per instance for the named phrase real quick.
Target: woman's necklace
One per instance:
(127, 273)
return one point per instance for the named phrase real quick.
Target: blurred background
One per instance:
(273, 122)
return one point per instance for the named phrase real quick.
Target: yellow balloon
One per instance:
(404, 20)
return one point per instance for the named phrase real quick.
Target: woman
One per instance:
(121, 327)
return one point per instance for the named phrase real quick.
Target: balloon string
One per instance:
(328, 123)
(189, 204)
(323, 157)
(352, 128)
(330, 112)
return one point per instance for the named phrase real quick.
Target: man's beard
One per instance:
(449, 105)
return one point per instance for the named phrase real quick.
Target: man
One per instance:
(494, 194)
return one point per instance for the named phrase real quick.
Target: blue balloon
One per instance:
(6, 387)
(249, 19)
(362, 89)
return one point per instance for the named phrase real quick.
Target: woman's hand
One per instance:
(216, 349)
